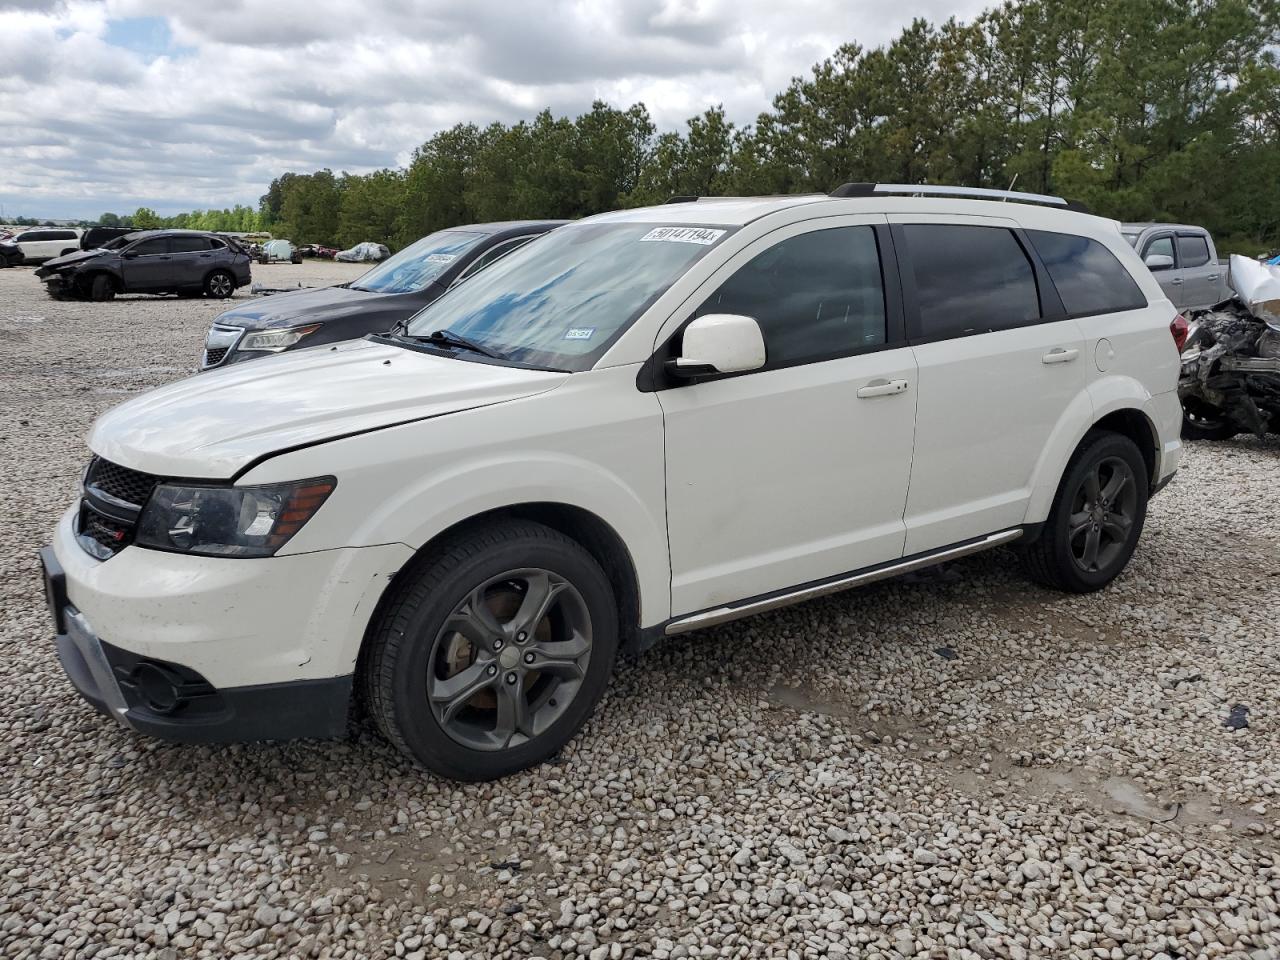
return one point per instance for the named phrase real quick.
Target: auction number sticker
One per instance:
(441, 258)
(580, 333)
(700, 235)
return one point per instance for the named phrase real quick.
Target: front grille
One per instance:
(109, 533)
(215, 356)
(131, 486)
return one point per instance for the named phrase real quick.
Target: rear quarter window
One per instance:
(1087, 275)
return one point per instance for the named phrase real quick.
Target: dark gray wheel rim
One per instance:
(1104, 510)
(220, 285)
(510, 659)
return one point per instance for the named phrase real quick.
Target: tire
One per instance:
(1060, 558)
(101, 288)
(1203, 423)
(448, 697)
(219, 285)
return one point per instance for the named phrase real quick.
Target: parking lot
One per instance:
(960, 764)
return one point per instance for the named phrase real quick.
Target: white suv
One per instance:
(640, 424)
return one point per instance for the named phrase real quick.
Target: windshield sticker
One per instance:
(441, 258)
(700, 235)
(580, 333)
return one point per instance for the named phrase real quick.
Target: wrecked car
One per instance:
(364, 253)
(390, 293)
(185, 262)
(1230, 381)
(279, 251)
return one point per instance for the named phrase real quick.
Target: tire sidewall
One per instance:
(413, 718)
(1107, 445)
(208, 284)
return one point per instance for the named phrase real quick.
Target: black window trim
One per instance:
(1050, 304)
(653, 377)
(1089, 313)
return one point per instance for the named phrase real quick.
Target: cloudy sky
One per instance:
(115, 104)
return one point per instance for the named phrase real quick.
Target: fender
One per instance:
(1105, 395)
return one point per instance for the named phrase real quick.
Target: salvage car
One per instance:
(644, 423)
(389, 293)
(40, 244)
(1230, 380)
(185, 262)
(1184, 261)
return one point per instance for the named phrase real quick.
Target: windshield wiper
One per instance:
(447, 338)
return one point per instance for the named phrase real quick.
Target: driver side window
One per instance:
(816, 296)
(1162, 246)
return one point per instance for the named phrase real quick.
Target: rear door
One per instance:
(145, 265)
(190, 258)
(797, 471)
(1199, 271)
(998, 366)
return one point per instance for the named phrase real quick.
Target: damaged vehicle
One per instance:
(388, 294)
(1230, 381)
(185, 262)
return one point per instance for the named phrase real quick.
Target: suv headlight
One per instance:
(273, 341)
(229, 521)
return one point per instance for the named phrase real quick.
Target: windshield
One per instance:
(418, 264)
(564, 298)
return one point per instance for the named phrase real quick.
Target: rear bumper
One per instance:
(173, 702)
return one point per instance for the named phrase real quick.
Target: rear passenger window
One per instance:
(1193, 251)
(816, 296)
(188, 244)
(1087, 275)
(970, 280)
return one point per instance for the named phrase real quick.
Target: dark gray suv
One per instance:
(185, 262)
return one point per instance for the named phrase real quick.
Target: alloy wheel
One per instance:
(220, 285)
(1104, 509)
(509, 659)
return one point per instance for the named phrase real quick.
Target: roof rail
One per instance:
(932, 190)
(681, 199)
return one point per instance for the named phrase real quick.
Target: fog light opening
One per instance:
(158, 687)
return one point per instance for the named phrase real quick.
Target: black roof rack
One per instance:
(937, 190)
(682, 199)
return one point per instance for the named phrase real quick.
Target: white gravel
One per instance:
(959, 766)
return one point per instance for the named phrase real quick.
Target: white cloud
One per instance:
(91, 120)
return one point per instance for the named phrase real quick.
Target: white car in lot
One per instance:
(41, 243)
(642, 423)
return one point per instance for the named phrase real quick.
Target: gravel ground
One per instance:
(962, 765)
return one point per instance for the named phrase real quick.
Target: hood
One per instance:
(299, 306)
(71, 258)
(214, 424)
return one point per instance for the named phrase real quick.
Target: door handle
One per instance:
(1060, 355)
(882, 388)
(1176, 280)
(1212, 276)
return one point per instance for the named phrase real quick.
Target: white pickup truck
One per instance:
(1184, 262)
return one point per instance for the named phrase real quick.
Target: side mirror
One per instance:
(1159, 261)
(719, 343)
(128, 255)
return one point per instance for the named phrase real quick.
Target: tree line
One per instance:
(1142, 109)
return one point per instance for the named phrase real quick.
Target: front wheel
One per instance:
(1096, 518)
(490, 659)
(219, 285)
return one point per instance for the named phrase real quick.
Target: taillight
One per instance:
(1180, 330)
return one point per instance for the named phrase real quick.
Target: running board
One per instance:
(711, 618)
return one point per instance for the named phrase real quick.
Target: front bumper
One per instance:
(215, 649)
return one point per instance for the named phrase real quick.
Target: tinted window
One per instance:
(816, 296)
(1193, 251)
(188, 244)
(145, 248)
(217, 244)
(1162, 246)
(62, 235)
(29, 236)
(1087, 275)
(418, 264)
(970, 280)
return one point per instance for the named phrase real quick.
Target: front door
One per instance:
(798, 471)
(994, 377)
(1170, 278)
(146, 265)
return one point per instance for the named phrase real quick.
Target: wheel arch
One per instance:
(85, 279)
(584, 527)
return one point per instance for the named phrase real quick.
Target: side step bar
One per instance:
(710, 618)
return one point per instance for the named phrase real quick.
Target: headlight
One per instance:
(273, 341)
(229, 521)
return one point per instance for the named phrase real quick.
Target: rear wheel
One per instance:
(1096, 518)
(101, 288)
(219, 285)
(488, 660)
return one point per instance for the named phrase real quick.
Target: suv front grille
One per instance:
(111, 534)
(214, 357)
(131, 486)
